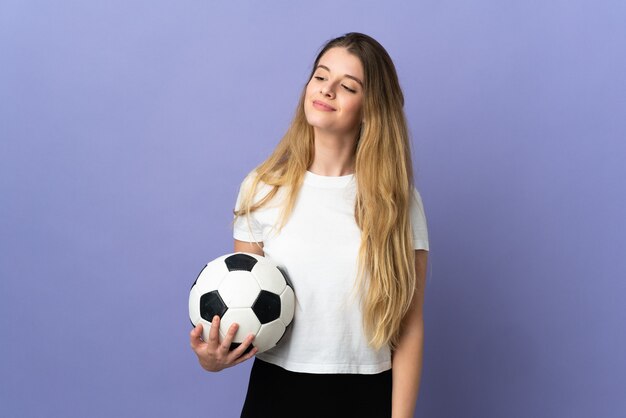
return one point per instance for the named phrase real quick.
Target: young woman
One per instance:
(335, 207)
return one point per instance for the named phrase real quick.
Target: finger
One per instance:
(230, 335)
(214, 335)
(245, 357)
(194, 336)
(237, 352)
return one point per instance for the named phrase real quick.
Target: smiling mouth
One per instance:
(322, 106)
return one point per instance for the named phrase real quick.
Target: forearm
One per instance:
(407, 369)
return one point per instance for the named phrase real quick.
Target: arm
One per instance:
(407, 358)
(249, 247)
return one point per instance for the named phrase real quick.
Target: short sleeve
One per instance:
(418, 222)
(246, 228)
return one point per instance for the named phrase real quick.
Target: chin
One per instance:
(325, 127)
(317, 122)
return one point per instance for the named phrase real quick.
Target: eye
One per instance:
(348, 88)
(318, 77)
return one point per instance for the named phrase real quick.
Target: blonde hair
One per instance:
(384, 178)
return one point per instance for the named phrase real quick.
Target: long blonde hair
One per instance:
(384, 178)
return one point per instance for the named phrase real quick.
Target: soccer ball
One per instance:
(247, 289)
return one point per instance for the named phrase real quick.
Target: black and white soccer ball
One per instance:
(247, 289)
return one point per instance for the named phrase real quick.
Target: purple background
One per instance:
(127, 126)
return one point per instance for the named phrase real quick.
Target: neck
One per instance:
(334, 154)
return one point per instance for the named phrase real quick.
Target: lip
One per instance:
(323, 106)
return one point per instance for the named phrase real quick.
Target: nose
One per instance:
(327, 91)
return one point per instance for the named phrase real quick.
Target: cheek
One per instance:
(307, 93)
(310, 88)
(308, 106)
(354, 107)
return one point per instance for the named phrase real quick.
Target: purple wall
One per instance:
(126, 127)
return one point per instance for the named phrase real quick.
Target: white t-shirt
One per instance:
(318, 249)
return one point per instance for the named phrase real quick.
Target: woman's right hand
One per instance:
(214, 355)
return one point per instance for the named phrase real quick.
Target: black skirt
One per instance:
(274, 392)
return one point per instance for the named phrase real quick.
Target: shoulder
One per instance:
(249, 181)
(259, 190)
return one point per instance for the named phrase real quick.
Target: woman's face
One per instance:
(334, 95)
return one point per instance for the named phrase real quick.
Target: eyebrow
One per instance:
(345, 75)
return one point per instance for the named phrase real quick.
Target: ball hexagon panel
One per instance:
(247, 320)
(285, 275)
(288, 304)
(206, 329)
(269, 277)
(269, 334)
(194, 306)
(211, 304)
(210, 277)
(267, 306)
(239, 289)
